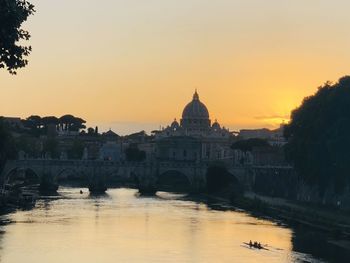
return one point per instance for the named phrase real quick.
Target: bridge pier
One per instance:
(97, 184)
(97, 187)
(146, 179)
(47, 183)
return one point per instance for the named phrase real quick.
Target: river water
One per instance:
(123, 227)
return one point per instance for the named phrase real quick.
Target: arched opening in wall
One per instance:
(14, 176)
(219, 180)
(31, 177)
(173, 181)
(71, 177)
(22, 177)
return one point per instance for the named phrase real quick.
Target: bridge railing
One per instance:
(276, 167)
(97, 163)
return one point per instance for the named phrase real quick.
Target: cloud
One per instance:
(272, 117)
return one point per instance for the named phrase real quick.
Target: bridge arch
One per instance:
(174, 180)
(28, 175)
(219, 178)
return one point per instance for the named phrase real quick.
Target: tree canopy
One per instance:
(318, 136)
(12, 14)
(66, 122)
(71, 123)
(248, 144)
(7, 145)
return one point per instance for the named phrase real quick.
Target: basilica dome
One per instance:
(195, 109)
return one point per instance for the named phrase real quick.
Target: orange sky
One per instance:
(133, 65)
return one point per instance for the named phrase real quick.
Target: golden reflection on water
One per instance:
(122, 227)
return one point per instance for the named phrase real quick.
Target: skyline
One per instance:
(131, 65)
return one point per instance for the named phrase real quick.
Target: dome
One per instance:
(175, 124)
(195, 109)
(216, 125)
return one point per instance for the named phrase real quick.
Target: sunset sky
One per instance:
(134, 64)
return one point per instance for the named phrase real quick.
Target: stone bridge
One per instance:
(194, 174)
(191, 174)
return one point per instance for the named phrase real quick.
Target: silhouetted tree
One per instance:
(78, 124)
(249, 144)
(7, 145)
(34, 122)
(66, 121)
(12, 14)
(70, 123)
(49, 120)
(318, 136)
(91, 131)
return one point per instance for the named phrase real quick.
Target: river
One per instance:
(123, 227)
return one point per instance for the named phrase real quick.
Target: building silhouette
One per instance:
(195, 137)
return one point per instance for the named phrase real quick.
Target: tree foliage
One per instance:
(7, 145)
(249, 144)
(12, 14)
(71, 123)
(318, 136)
(91, 131)
(39, 125)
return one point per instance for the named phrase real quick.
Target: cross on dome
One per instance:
(195, 95)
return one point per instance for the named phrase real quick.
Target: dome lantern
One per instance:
(195, 95)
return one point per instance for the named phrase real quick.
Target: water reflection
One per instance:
(1, 237)
(124, 227)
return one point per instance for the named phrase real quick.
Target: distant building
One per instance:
(209, 140)
(273, 137)
(110, 136)
(179, 148)
(62, 132)
(111, 151)
(111, 148)
(148, 147)
(137, 138)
